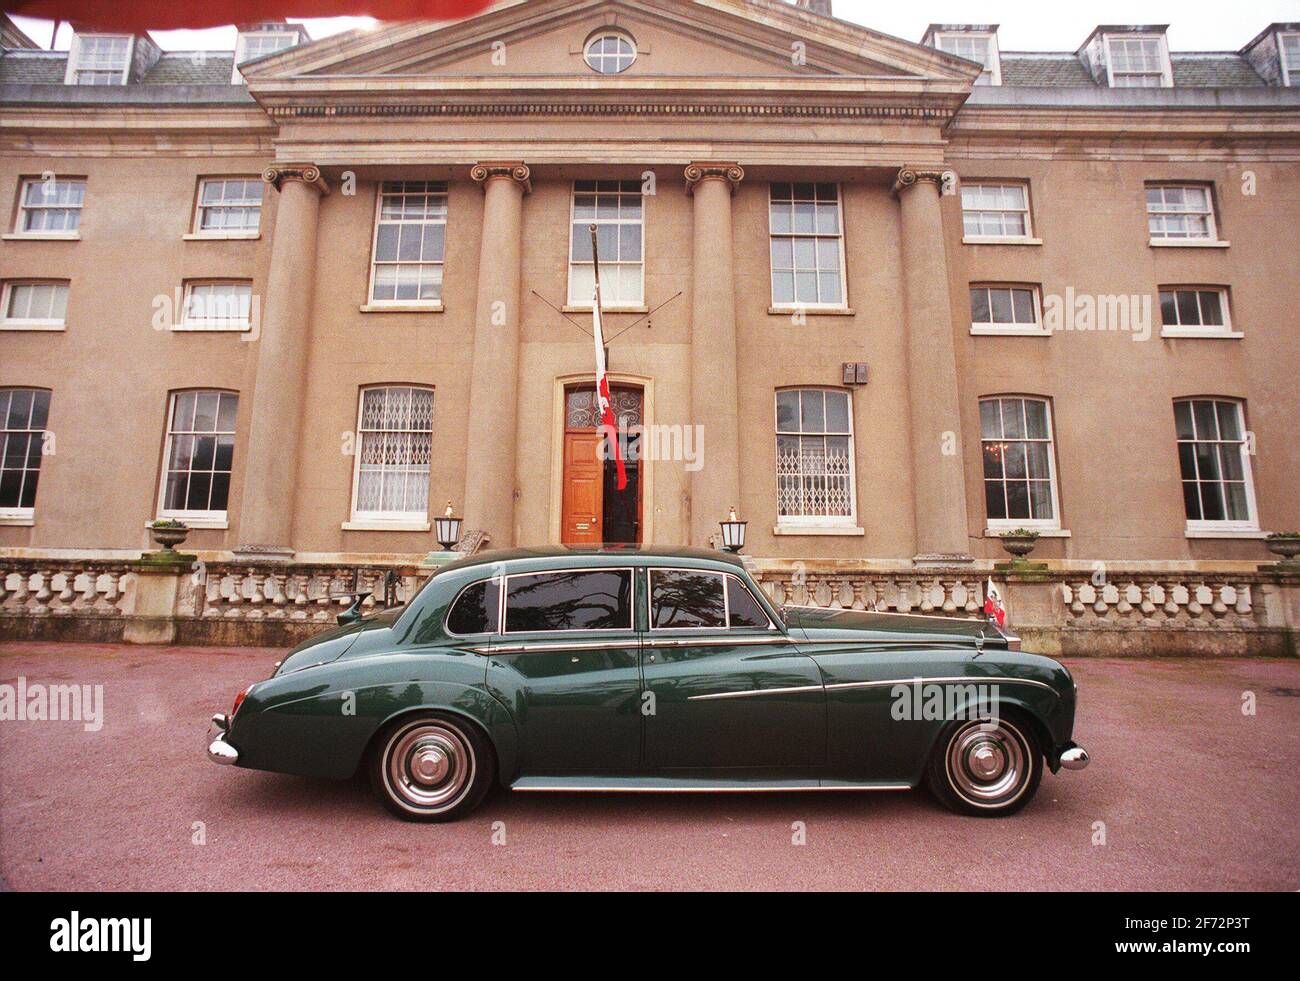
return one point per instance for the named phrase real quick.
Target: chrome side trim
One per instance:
(757, 789)
(888, 613)
(716, 641)
(973, 680)
(559, 646)
(752, 692)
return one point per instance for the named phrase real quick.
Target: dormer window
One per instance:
(99, 59)
(1138, 61)
(250, 45)
(1288, 46)
(973, 46)
(610, 53)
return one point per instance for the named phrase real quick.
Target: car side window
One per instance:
(685, 598)
(743, 608)
(475, 610)
(597, 599)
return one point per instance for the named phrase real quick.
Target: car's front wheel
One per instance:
(986, 767)
(431, 767)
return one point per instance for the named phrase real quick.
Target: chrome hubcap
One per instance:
(429, 766)
(988, 762)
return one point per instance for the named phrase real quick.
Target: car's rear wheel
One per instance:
(431, 767)
(986, 767)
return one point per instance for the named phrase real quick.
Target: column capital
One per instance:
(516, 171)
(697, 173)
(308, 174)
(913, 176)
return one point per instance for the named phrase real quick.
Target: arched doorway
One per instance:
(595, 511)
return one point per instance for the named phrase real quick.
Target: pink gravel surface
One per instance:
(1193, 794)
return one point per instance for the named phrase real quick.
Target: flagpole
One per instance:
(595, 260)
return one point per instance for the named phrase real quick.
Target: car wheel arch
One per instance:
(1013, 708)
(485, 730)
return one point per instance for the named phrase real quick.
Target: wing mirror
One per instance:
(353, 613)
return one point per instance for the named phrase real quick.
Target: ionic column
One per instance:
(271, 463)
(490, 463)
(938, 483)
(714, 402)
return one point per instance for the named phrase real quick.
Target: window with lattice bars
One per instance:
(814, 456)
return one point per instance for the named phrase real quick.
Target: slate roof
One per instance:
(1025, 68)
(191, 68)
(1213, 70)
(22, 67)
(1209, 69)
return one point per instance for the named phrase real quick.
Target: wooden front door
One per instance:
(595, 511)
(584, 479)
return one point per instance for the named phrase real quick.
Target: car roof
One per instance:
(522, 559)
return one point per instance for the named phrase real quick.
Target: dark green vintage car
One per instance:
(652, 670)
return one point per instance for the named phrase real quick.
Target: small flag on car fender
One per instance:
(993, 607)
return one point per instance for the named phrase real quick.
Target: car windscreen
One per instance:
(596, 599)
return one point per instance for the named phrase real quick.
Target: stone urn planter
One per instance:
(1019, 543)
(168, 534)
(1285, 544)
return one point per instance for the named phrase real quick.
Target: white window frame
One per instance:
(1290, 73)
(211, 324)
(23, 208)
(197, 231)
(1251, 524)
(807, 522)
(32, 323)
(992, 329)
(1210, 239)
(21, 515)
(1192, 330)
(74, 56)
(998, 183)
(410, 304)
(992, 59)
(195, 519)
(600, 36)
(791, 307)
(389, 520)
(1162, 45)
(241, 46)
(998, 525)
(584, 302)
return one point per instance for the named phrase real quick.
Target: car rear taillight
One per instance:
(239, 700)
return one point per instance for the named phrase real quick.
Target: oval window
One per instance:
(610, 54)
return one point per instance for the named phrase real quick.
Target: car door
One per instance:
(566, 664)
(727, 688)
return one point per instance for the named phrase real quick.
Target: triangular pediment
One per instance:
(680, 39)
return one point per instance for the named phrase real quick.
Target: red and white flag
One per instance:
(603, 400)
(993, 608)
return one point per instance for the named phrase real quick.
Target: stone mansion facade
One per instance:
(888, 299)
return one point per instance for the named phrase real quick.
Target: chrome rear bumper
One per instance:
(1074, 758)
(220, 751)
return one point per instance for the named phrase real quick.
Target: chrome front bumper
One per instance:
(1074, 758)
(220, 751)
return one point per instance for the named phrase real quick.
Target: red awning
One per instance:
(137, 16)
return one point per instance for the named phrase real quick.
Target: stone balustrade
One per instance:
(300, 593)
(885, 592)
(65, 588)
(1057, 612)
